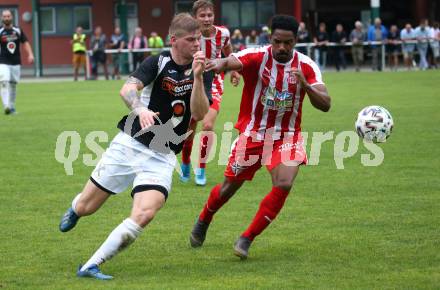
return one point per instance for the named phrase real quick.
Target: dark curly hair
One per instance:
(285, 22)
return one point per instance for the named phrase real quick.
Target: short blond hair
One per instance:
(183, 23)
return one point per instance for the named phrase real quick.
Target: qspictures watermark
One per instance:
(345, 145)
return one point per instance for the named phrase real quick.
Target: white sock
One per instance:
(75, 201)
(120, 238)
(4, 91)
(12, 95)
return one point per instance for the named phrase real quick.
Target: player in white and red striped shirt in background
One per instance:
(276, 79)
(215, 40)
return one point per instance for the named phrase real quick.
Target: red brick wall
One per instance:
(158, 24)
(56, 50)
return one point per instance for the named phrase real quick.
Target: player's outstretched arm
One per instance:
(223, 64)
(199, 101)
(235, 76)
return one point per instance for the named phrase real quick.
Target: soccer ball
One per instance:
(374, 124)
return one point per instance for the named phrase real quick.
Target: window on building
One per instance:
(63, 19)
(47, 16)
(230, 14)
(247, 13)
(183, 6)
(14, 11)
(132, 10)
(82, 16)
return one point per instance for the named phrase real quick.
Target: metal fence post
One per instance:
(38, 72)
(383, 56)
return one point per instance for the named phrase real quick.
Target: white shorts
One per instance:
(128, 162)
(9, 73)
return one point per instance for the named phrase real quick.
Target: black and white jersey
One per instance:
(10, 39)
(167, 90)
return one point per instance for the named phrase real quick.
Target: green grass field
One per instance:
(357, 228)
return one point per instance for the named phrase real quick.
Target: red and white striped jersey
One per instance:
(272, 97)
(212, 46)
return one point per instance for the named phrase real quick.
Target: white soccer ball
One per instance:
(374, 124)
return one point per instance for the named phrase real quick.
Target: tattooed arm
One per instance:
(129, 94)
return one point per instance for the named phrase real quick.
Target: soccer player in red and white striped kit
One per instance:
(276, 79)
(214, 42)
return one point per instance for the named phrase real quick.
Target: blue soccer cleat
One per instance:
(200, 176)
(92, 272)
(69, 220)
(186, 172)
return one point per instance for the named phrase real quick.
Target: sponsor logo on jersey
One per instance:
(11, 46)
(177, 88)
(188, 72)
(9, 37)
(274, 99)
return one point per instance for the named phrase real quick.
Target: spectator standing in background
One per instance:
(237, 41)
(138, 41)
(357, 37)
(339, 37)
(407, 35)
(264, 37)
(79, 52)
(434, 43)
(117, 42)
(97, 45)
(252, 39)
(155, 41)
(377, 32)
(422, 35)
(393, 47)
(321, 40)
(303, 37)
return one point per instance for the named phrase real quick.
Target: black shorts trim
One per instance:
(101, 187)
(145, 187)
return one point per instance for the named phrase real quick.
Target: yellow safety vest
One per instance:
(79, 43)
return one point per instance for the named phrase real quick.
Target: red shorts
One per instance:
(248, 156)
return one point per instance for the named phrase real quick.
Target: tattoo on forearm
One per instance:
(132, 100)
(131, 97)
(133, 80)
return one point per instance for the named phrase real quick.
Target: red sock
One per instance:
(270, 206)
(186, 151)
(188, 143)
(214, 203)
(205, 146)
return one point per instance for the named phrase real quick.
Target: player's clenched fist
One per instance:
(300, 76)
(198, 65)
(146, 117)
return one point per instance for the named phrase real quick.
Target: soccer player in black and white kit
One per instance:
(10, 61)
(173, 90)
